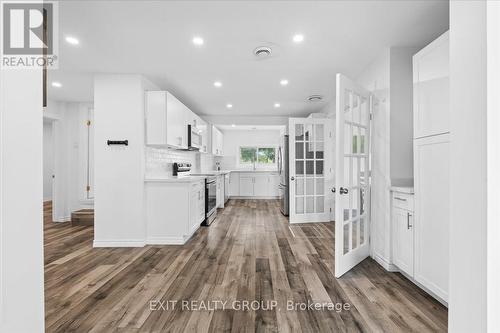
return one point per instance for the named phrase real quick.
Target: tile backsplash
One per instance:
(159, 161)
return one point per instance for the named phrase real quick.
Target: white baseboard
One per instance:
(304, 222)
(165, 241)
(385, 263)
(120, 243)
(62, 219)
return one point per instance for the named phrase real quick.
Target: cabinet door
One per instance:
(431, 88)
(201, 203)
(274, 182)
(156, 118)
(261, 185)
(234, 184)
(176, 123)
(221, 143)
(432, 183)
(204, 135)
(403, 240)
(193, 208)
(246, 185)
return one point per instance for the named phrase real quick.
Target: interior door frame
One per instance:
(345, 261)
(54, 119)
(327, 172)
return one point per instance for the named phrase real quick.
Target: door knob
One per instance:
(333, 190)
(293, 178)
(343, 190)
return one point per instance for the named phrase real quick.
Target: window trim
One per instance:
(257, 164)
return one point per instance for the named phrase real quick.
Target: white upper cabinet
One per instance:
(156, 118)
(431, 89)
(203, 127)
(217, 142)
(176, 123)
(167, 119)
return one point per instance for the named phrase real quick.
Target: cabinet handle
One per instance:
(400, 199)
(408, 225)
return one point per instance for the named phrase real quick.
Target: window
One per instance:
(261, 156)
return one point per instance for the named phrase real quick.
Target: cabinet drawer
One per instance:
(402, 200)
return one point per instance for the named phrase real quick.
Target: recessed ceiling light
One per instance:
(229, 106)
(233, 125)
(56, 84)
(218, 84)
(284, 82)
(277, 105)
(72, 40)
(198, 41)
(298, 38)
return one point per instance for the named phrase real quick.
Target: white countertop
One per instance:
(403, 189)
(174, 179)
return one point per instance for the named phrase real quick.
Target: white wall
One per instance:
(119, 170)
(21, 195)
(493, 65)
(48, 160)
(376, 78)
(390, 78)
(468, 200)
(401, 114)
(233, 139)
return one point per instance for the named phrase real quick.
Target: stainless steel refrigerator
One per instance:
(283, 172)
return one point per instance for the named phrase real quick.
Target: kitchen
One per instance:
(285, 161)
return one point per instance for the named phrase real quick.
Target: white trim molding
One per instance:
(119, 243)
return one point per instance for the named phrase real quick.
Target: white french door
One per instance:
(311, 174)
(352, 219)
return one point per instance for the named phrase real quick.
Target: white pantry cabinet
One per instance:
(166, 120)
(431, 90)
(432, 216)
(431, 158)
(403, 231)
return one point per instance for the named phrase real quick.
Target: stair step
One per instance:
(82, 217)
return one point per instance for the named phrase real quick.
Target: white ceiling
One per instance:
(251, 127)
(154, 39)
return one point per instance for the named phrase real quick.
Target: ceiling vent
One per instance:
(315, 98)
(262, 52)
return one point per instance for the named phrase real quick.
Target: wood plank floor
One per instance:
(249, 254)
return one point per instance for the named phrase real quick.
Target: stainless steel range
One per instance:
(184, 170)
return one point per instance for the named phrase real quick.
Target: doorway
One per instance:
(49, 167)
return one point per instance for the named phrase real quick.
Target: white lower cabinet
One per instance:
(246, 185)
(403, 233)
(255, 184)
(174, 210)
(260, 185)
(234, 184)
